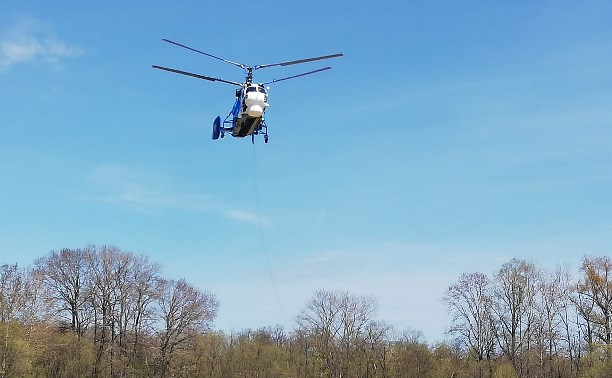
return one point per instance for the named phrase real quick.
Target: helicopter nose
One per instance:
(255, 111)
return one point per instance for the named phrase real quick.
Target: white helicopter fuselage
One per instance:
(253, 99)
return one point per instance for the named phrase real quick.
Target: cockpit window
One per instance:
(251, 89)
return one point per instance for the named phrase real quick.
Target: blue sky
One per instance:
(451, 137)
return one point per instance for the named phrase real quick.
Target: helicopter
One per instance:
(247, 115)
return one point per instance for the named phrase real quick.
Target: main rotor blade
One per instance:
(196, 75)
(204, 53)
(294, 76)
(298, 61)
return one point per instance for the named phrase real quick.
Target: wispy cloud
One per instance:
(31, 41)
(248, 217)
(144, 191)
(153, 193)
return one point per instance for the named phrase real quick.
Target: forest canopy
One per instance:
(103, 312)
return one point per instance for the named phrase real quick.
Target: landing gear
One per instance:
(236, 127)
(263, 129)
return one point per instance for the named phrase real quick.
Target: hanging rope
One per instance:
(261, 233)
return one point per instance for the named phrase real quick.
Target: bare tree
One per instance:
(185, 312)
(38, 304)
(144, 277)
(336, 322)
(469, 302)
(356, 312)
(556, 326)
(376, 346)
(319, 322)
(108, 269)
(515, 309)
(11, 292)
(67, 275)
(594, 301)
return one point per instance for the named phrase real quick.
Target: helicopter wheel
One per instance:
(266, 138)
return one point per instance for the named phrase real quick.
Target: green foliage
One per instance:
(65, 355)
(412, 358)
(447, 361)
(600, 369)
(597, 364)
(14, 351)
(505, 370)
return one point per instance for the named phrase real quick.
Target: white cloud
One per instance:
(30, 41)
(248, 217)
(154, 193)
(144, 191)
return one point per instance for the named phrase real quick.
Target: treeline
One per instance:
(96, 312)
(103, 312)
(544, 323)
